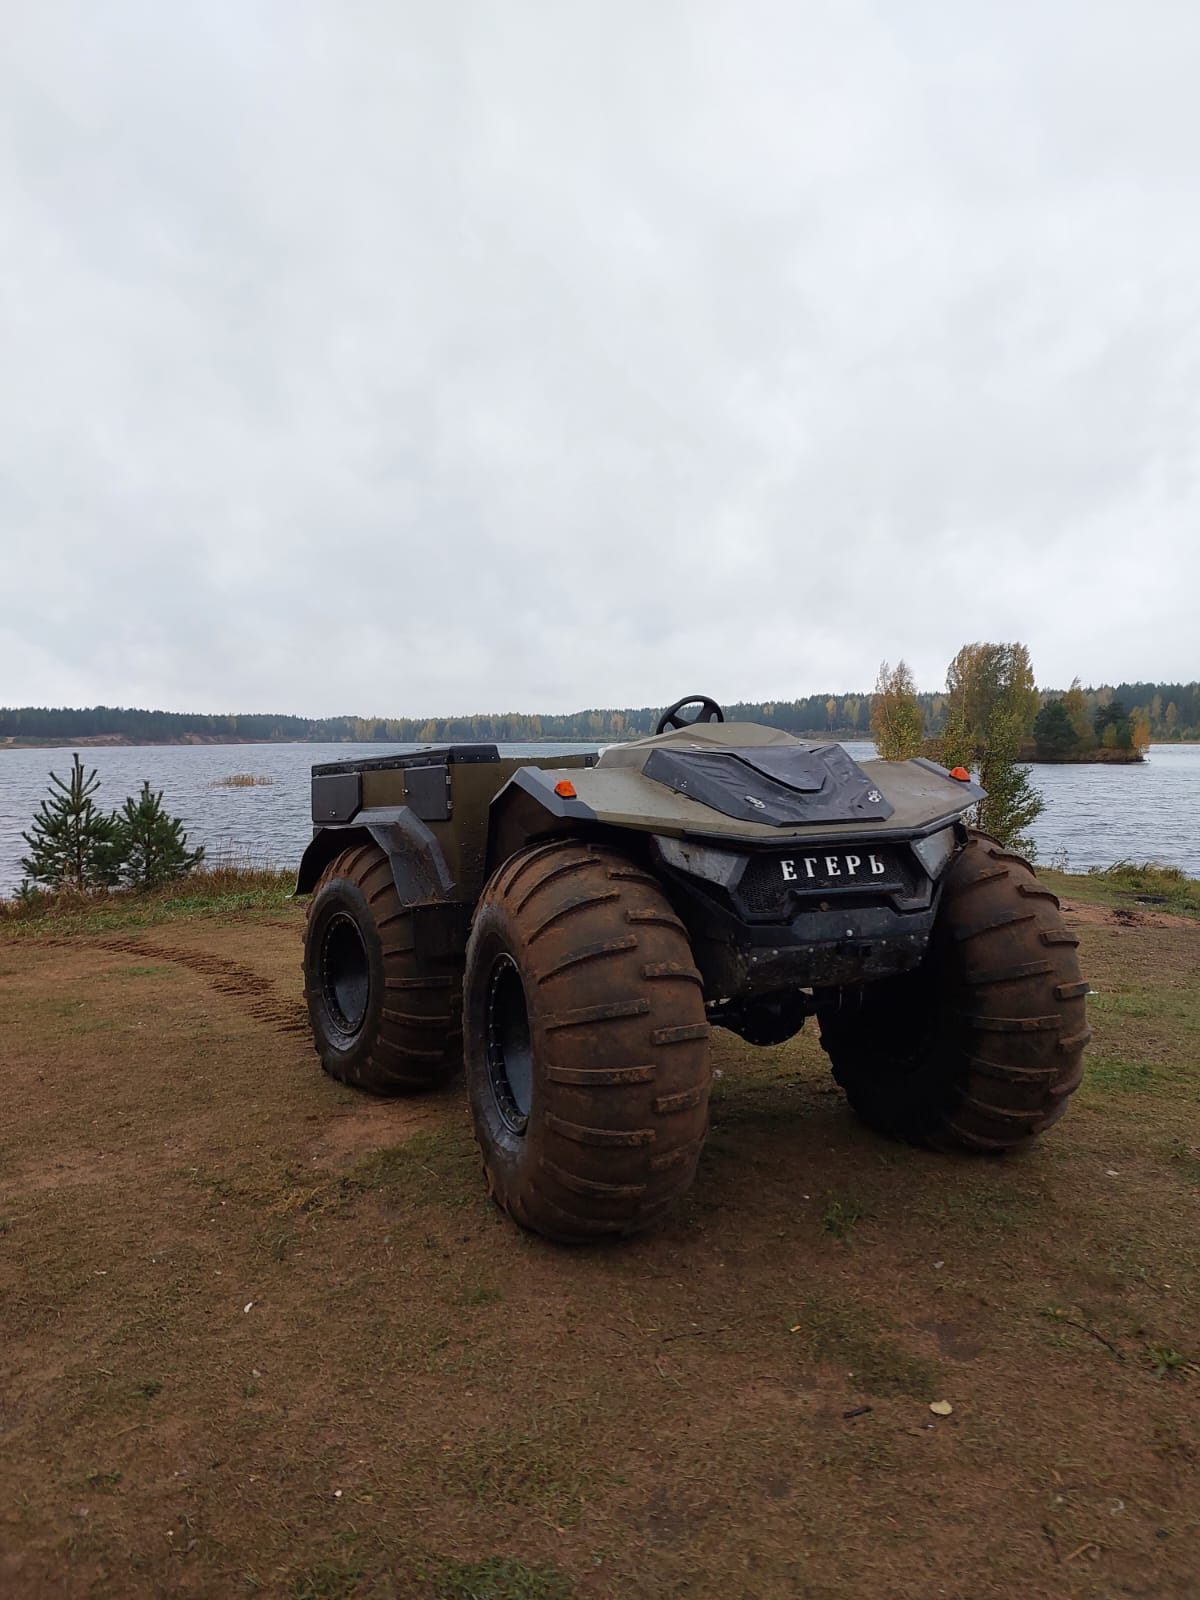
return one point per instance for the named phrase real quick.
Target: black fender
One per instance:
(419, 868)
(529, 808)
(423, 881)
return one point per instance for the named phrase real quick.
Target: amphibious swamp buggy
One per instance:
(573, 927)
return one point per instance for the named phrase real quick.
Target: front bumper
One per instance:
(825, 938)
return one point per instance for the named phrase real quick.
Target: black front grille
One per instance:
(772, 881)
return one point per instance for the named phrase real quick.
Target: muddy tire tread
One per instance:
(1007, 972)
(623, 1106)
(416, 1047)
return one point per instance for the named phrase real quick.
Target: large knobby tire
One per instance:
(981, 1047)
(380, 1020)
(586, 1043)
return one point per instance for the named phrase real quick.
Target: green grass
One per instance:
(1151, 878)
(435, 1166)
(842, 1215)
(497, 1578)
(1166, 1362)
(103, 1482)
(1115, 1072)
(1129, 883)
(216, 891)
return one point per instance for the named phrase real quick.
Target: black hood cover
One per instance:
(786, 785)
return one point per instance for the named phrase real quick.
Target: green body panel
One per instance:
(463, 837)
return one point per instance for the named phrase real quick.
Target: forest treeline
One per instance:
(1169, 711)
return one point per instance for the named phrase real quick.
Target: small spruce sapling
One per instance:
(72, 845)
(153, 846)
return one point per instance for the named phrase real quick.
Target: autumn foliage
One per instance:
(897, 725)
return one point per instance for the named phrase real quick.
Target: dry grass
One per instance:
(220, 887)
(243, 780)
(264, 1336)
(1131, 886)
(1149, 882)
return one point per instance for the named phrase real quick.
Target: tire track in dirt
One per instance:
(258, 995)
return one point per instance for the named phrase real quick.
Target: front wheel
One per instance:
(586, 1043)
(982, 1046)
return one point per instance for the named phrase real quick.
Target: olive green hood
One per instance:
(740, 781)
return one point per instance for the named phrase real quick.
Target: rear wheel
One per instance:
(586, 1043)
(380, 1021)
(982, 1047)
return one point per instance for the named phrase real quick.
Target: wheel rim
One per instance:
(509, 1049)
(345, 974)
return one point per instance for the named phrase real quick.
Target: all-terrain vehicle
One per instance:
(573, 926)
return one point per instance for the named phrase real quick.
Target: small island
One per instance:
(1063, 731)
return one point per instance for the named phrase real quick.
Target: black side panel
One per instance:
(427, 790)
(336, 796)
(782, 786)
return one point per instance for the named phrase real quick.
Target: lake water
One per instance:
(1093, 815)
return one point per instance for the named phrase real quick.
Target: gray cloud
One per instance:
(416, 359)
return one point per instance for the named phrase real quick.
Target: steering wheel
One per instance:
(709, 711)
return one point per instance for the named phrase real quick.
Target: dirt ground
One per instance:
(263, 1336)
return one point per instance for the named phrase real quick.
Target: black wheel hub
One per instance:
(509, 1048)
(345, 974)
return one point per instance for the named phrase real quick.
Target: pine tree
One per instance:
(1054, 732)
(72, 845)
(1113, 726)
(152, 844)
(896, 721)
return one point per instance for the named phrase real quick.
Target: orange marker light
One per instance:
(566, 788)
(961, 774)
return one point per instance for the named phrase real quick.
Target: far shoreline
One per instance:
(107, 742)
(103, 741)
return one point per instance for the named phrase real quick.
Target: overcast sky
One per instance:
(426, 358)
